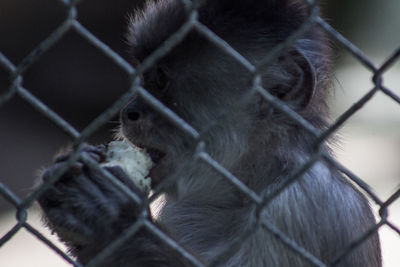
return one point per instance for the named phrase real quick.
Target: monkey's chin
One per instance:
(160, 168)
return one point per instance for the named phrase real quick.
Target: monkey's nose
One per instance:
(134, 111)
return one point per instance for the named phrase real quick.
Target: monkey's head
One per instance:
(209, 89)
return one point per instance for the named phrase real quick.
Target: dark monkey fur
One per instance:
(205, 86)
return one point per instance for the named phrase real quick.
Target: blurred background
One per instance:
(78, 82)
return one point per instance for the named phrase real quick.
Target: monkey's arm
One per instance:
(88, 212)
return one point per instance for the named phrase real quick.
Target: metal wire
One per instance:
(71, 23)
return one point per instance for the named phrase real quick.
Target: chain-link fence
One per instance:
(71, 23)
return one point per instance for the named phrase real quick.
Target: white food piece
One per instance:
(135, 162)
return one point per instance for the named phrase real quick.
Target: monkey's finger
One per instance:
(111, 190)
(97, 153)
(88, 199)
(120, 174)
(74, 170)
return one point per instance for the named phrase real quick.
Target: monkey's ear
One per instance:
(302, 85)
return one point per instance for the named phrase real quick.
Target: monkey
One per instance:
(203, 211)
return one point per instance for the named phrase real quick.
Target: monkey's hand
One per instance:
(84, 208)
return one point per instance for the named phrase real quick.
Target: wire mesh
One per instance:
(71, 23)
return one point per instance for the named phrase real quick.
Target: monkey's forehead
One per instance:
(150, 27)
(230, 19)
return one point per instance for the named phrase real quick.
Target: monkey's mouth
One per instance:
(155, 155)
(164, 162)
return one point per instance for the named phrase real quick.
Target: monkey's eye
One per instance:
(162, 80)
(157, 80)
